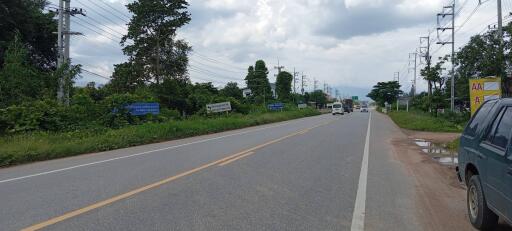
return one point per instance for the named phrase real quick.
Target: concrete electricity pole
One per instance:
(303, 83)
(278, 67)
(60, 52)
(500, 22)
(397, 78)
(63, 42)
(295, 80)
(441, 15)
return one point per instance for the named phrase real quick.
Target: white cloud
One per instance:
(346, 43)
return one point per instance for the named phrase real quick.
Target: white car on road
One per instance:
(364, 108)
(337, 108)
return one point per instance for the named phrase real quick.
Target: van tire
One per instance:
(480, 216)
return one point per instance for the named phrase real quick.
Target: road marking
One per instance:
(139, 154)
(100, 204)
(236, 158)
(360, 206)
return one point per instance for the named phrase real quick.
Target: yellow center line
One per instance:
(220, 162)
(236, 158)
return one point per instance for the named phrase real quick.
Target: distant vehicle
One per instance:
(364, 108)
(337, 108)
(348, 105)
(357, 107)
(485, 164)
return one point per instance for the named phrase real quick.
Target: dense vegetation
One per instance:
(36, 124)
(420, 121)
(35, 146)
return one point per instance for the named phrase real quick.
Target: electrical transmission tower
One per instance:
(413, 60)
(425, 54)
(64, 34)
(449, 11)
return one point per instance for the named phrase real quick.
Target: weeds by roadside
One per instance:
(420, 121)
(37, 146)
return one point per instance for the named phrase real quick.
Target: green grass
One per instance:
(454, 145)
(420, 121)
(38, 146)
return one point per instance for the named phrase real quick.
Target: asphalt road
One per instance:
(318, 173)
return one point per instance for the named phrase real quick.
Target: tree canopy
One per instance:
(385, 92)
(35, 28)
(151, 41)
(284, 85)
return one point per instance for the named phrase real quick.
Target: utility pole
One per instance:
(279, 67)
(64, 34)
(60, 46)
(303, 83)
(500, 22)
(425, 53)
(295, 80)
(442, 15)
(397, 79)
(415, 60)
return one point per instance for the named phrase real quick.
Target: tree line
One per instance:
(483, 56)
(156, 71)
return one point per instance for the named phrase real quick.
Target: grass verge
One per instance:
(38, 146)
(454, 145)
(420, 121)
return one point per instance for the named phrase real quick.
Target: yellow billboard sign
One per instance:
(481, 90)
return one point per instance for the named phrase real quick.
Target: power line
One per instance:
(214, 60)
(103, 8)
(213, 73)
(95, 74)
(97, 28)
(116, 10)
(215, 67)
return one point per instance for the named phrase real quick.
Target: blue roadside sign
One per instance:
(138, 109)
(276, 106)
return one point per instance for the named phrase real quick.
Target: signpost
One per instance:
(218, 107)
(302, 105)
(138, 109)
(276, 106)
(355, 98)
(484, 89)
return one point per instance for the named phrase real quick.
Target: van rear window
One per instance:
(479, 119)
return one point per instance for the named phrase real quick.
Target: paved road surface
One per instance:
(306, 174)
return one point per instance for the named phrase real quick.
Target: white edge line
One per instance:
(141, 153)
(360, 205)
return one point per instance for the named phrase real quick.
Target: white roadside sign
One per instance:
(218, 107)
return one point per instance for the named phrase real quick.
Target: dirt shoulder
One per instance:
(436, 137)
(440, 198)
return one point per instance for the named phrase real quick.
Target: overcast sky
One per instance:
(348, 44)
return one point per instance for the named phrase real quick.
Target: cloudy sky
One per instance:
(348, 44)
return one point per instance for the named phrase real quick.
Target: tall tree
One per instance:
(126, 78)
(232, 90)
(35, 27)
(257, 80)
(151, 40)
(284, 85)
(385, 92)
(19, 81)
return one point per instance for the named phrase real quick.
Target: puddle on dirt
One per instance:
(437, 152)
